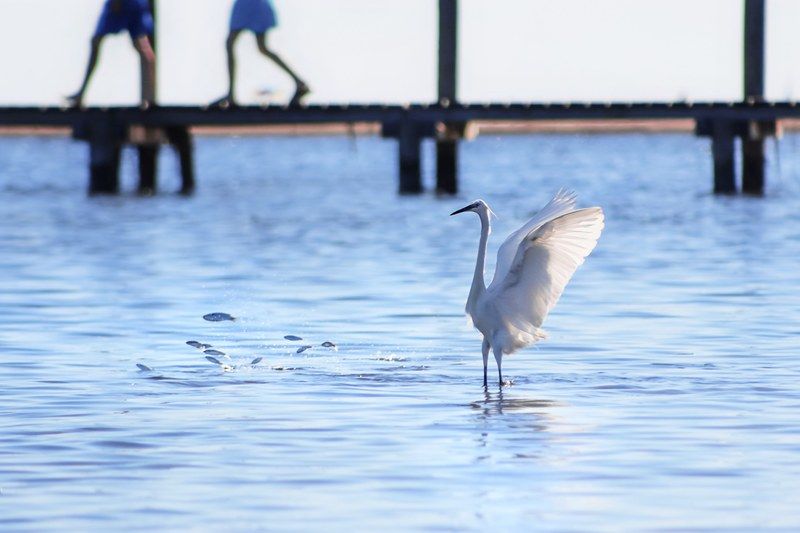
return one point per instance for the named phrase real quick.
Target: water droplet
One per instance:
(218, 317)
(292, 338)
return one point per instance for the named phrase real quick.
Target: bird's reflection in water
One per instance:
(497, 404)
(518, 422)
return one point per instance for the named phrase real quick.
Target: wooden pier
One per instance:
(107, 130)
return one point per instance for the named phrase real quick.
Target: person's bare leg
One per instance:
(301, 86)
(230, 43)
(77, 98)
(230, 47)
(148, 62)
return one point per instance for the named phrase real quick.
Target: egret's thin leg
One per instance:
(498, 356)
(485, 349)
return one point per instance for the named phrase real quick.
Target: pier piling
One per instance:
(410, 144)
(447, 143)
(105, 146)
(753, 140)
(722, 151)
(148, 168)
(447, 166)
(753, 161)
(148, 142)
(181, 139)
(148, 146)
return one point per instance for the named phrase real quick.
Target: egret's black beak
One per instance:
(463, 209)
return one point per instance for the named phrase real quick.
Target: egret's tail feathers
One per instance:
(513, 339)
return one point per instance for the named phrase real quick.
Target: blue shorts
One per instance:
(257, 16)
(132, 15)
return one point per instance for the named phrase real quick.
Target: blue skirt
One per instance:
(257, 16)
(131, 15)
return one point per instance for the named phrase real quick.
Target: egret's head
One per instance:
(478, 206)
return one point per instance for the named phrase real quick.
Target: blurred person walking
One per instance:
(257, 16)
(135, 17)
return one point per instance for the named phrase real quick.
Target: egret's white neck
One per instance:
(478, 283)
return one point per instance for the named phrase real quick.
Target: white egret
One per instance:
(534, 264)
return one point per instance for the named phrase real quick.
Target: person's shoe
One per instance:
(75, 100)
(225, 102)
(301, 92)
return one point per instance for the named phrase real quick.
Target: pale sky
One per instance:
(385, 51)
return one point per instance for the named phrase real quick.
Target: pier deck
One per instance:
(163, 116)
(107, 129)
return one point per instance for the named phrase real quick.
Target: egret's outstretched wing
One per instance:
(563, 202)
(545, 260)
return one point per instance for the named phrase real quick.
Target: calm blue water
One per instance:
(667, 397)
